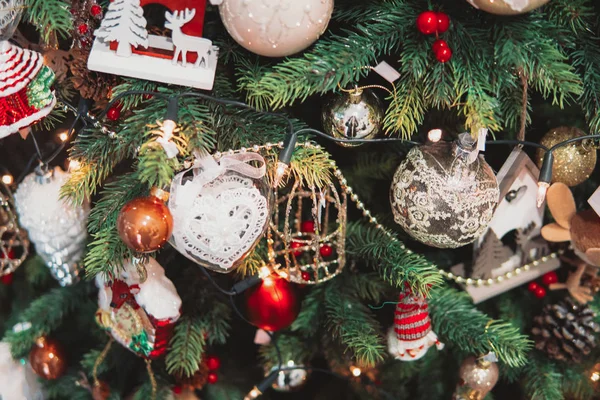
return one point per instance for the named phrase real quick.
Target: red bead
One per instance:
(212, 378)
(10, 254)
(113, 113)
(444, 54)
(549, 278)
(540, 292)
(308, 226)
(83, 29)
(532, 287)
(177, 389)
(7, 279)
(326, 250)
(147, 96)
(213, 363)
(95, 10)
(438, 45)
(427, 22)
(443, 22)
(273, 304)
(305, 276)
(297, 245)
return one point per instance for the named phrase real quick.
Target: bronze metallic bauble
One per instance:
(573, 163)
(477, 378)
(100, 391)
(355, 115)
(507, 7)
(145, 224)
(47, 358)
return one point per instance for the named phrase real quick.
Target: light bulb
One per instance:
(74, 165)
(355, 371)
(253, 394)
(168, 127)
(63, 136)
(280, 171)
(541, 193)
(7, 179)
(434, 135)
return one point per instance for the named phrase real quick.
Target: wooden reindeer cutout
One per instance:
(184, 43)
(582, 229)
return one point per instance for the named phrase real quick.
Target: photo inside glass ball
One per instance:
(443, 197)
(507, 7)
(355, 115)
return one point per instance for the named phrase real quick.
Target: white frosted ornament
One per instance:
(275, 28)
(507, 7)
(220, 209)
(17, 380)
(56, 227)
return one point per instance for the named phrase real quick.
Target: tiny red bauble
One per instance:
(7, 279)
(438, 45)
(444, 54)
(540, 292)
(273, 304)
(305, 275)
(308, 226)
(113, 113)
(427, 22)
(297, 245)
(443, 22)
(549, 278)
(532, 287)
(326, 250)
(83, 29)
(212, 378)
(95, 10)
(213, 363)
(177, 389)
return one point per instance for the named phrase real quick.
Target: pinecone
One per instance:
(91, 85)
(566, 330)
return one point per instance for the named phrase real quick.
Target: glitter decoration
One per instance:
(14, 244)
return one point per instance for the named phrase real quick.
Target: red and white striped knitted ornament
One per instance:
(411, 336)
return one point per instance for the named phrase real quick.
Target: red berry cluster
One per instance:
(213, 363)
(430, 22)
(547, 279)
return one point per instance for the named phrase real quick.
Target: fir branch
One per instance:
(186, 347)
(457, 321)
(106, 252)
(311, 315)
(542, 381)
(290, 347)
(367, 286)
(154, 167)
(395, 263)
(51, 16)
(69, 383)
(37, 272)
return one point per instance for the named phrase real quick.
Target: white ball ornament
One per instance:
(507, 7)
(275, 28)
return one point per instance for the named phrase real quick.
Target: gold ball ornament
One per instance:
(477, 377)
(47, 358)
(507, 7)
(573, 163)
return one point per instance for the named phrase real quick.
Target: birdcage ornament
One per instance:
(14, 244)
(307, 233)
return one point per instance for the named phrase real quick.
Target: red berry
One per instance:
(444, 54)
(7, 279)
(83, 29)
(532, 287)
(177, 389)
(308, 226)
(305, 276)
(540, 292)
(549, 278)
(147, 96)
(326, 250)
(95, 10)
(10, 254)
(212, 378)
(443, 22)
(213, 363)
(438, 45)
(427, 22)
(297, 245)
(113, 113)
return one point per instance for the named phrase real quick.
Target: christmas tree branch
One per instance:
(186, 347)
(542, 381)
(51, 16)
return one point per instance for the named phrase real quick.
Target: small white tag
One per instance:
(21, 326)
(387, 72)
(169, 147)
(594, 201)
(262, 337)
(481, 139)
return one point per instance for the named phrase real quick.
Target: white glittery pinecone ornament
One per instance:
(56, 227)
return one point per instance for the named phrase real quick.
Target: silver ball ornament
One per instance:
(355, 115)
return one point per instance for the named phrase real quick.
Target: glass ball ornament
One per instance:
(48, 359)
(290, 380)
(574, 162)
(444, 194)
(507, 7)
(10, 15)
(477, 377)
(273, 304)
(275, 28)
(355, 115)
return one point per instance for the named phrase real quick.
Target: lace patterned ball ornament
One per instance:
(56, 227)
(444, 194)
(507, 7)
(14, 244)
(10, 15)
(315, 255)
(220, 209)
(275, 28)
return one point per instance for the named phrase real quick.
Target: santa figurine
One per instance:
(411, 336)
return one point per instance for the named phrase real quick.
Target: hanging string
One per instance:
(152, 378)
(99, 361)
(372, 307)
(521, 134)
(360, 88)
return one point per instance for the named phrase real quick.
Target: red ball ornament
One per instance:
(308, 226)
(95, 10)
(7, 279)
(213, 363)
(540, 292)
(549, 278)
(532, 287)
(47, 358)
(326, 250)
(273, 304)
(427, 22)
(296, 245)
(444, 54)
(177, 389)
(113, 113)
(212, 378)
(438, 45)
(83, 29)
(443, 22)
(305, 275)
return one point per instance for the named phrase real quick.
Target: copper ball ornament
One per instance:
(100, 391)
(477, 378)
(507, 7)
(273, 304)
(145, 224)
(47, 358)
(574, 162)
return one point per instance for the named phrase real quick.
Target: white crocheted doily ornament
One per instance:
(56, 227)
(221, 212)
